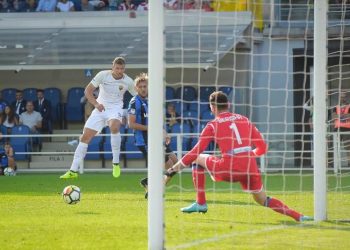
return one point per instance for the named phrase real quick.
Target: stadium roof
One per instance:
(92, 40)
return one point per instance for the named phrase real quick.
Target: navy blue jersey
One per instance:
(139, 107)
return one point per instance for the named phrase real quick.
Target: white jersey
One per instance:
(111, 90)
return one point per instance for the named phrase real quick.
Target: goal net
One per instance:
(261, 54)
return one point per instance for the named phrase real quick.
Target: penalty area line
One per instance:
(225, 236)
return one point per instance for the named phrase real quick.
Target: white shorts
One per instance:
(98, 120)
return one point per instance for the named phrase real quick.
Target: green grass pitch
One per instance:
(113, 214)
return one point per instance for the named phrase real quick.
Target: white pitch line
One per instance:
(225, 236)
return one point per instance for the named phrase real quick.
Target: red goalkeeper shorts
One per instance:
(241, 168)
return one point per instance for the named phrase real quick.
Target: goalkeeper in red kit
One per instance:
(240, 142)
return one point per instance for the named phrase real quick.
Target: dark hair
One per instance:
(119, 60)
(219, 100)
(11, 115)
(40, 90)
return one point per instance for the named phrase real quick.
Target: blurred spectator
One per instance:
(5, 6)
(9, 119)
(65, 6)
(309, 107)
(113, 4)
(341, 118)
(143, 6)
(86, 5)
(10, 156)
(46, 5)
(196, 4)
(171, 116)
(43, 106)
(33, 120)
(2, 139)
(126, 5)
(31, 5)
(171, 4)
(3, 161)
(99, 4)
(3, 103)
(20, 104)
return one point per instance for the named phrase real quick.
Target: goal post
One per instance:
(155, 125)
(320, 110)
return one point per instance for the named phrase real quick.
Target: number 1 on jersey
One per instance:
(233, 126)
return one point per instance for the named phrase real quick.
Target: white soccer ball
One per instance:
(71, 194)
(9, 172)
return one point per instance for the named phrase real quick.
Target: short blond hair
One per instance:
(119, 60)
(142, 77)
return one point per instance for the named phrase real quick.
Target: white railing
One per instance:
(280, 157)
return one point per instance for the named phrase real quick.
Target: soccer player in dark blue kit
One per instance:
(138, 121)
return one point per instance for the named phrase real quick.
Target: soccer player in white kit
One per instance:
(108, 110)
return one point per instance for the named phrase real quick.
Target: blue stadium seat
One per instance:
(204, 106)
(180, 106)
(73, 108)
(54, 95)
(181, 129)
(9, 95)
(200, 107)
(29, 94)
(107, 148)
(107, 142)
(204, 93)
(169, 93)
(226, 89)
(199, 128)
(94, 146)
(186, 93)
(194, 106)
(129, 147)
(209, 148)
(190, 117)
(20, 144)
(207, 116)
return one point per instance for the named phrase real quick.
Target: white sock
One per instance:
(79, 156)
(115, 143)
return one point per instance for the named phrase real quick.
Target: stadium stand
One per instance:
(169, 93)
(9, 95)
(94, 146)
(54, 95)
(73, 108)
(29, 94)
(187, 93)
(204, 93)
(129, 147)
(21, 144)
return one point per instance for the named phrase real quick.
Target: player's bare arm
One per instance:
(167, 138)
(89, 94)
(134, 125)
(173, 170)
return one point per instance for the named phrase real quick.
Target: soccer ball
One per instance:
(9, 172)
(71, 194)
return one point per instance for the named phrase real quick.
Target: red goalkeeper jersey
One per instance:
(233, 133)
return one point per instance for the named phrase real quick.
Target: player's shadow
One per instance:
(231, 202)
